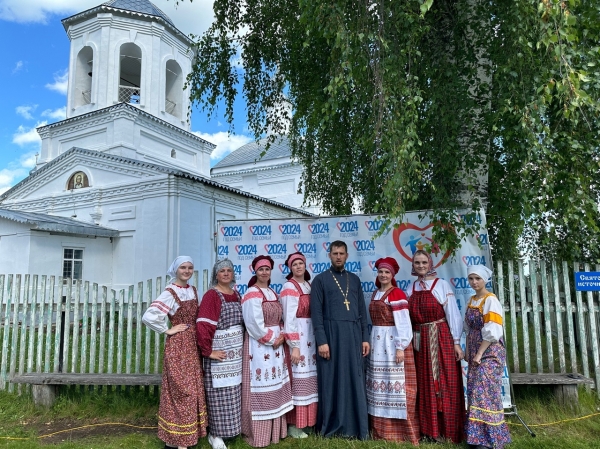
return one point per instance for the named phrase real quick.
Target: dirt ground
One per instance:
(59, 431)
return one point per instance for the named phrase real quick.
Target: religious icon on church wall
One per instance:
(78, 180)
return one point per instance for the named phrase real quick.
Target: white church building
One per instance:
(274, 174)
(121, 186)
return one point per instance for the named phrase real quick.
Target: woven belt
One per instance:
(435, 361)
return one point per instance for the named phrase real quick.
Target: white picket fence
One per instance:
(51, 324)
(549, 328)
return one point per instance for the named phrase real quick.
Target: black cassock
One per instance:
(342, 407)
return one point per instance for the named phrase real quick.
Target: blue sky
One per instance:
(33, 78)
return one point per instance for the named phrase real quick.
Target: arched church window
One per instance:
(84, 71)
(173, 89)
(78, 180)
(174, 154)
(130, 73)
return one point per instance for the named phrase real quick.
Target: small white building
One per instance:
(121, 186)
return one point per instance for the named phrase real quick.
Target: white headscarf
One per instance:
(176, 263)
(480, 270)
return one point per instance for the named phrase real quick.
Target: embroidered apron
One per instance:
(228, 372)
(268, 370)
(307, 367)
(386, 393)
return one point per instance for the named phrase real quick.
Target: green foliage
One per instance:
(409, 105)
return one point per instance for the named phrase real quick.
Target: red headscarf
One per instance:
(291, 259)
(389, 263)
(260, 261)
(430, 270)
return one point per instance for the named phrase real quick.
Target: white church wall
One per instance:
(158, 218)
(277, 183)
(129, 134)
(47, 255)
(15, 241)
(153, 238)
(27, 251)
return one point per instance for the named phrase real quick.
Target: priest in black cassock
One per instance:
(339, 318)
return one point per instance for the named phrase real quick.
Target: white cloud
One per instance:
(56, 114)
(61, 82)
(25, 11)
(16, 171)
(25, 111)
(8, 178)
(225, 143)
(18, 67)
(190, 17)
(27, 136)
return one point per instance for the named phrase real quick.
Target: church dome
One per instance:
(251, 152)
(141, 6)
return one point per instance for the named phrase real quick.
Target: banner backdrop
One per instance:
(242, 241)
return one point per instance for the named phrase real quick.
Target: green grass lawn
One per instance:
(92, 410)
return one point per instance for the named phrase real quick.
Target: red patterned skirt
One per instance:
(440, 416)
(391, 429)
(182, 410)
(302, 416)
(257, 433)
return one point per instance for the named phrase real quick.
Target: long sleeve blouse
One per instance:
(290, 297)
(445, 296)
(493, 317)
(403, 327)
(253, 314)
(207, 321)
(156, 316)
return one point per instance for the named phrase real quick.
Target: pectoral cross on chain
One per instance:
(345, 295)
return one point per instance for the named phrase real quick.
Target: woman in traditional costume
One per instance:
(182, 410)
(437, 326)
(266, 391)
(220, 332)
(486, 357)
(391, 374)
(300, 338)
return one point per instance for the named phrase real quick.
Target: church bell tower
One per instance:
(126, 97)
(128, 51)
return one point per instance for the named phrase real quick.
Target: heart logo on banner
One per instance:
(408, 238)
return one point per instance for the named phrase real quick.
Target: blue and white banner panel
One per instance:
(242, 241)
